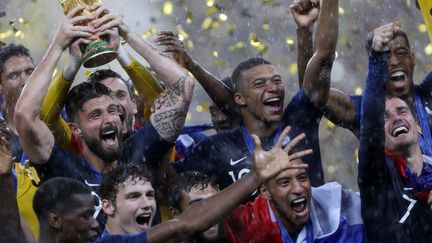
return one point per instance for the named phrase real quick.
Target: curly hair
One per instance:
(119, 175)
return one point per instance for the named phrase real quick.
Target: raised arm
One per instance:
(371, 150)
(170, 109)
(55, 98)
(220, 93)
(205, 213)
(317, 77)
(305, 13)
(35, 137)
(144, 82)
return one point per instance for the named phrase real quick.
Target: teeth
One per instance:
(399, 130)
(272, 99)
(299, 200)
(397, 73)
(108, 132)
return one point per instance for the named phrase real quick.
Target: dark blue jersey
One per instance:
(389, 210)
(131, 238)
(143, 147)
(422, 110)
(226, 156)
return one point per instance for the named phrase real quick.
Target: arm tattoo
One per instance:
(170, 109)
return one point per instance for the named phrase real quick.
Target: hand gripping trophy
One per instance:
(98, 52)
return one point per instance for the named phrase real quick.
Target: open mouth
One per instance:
(273, 104)
(299, 205)
(143, 220)
(109, 135)
(398, 79)
(400, 130)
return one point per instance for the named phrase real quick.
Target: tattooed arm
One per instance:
(170, 109)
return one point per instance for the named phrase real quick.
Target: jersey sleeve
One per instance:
(59, 164)
(145, 83)
(51, 108)
(372, 167)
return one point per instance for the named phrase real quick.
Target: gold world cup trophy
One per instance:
(98, 52)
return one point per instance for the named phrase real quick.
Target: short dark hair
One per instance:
(120, 174)
(56, 194)
(399, 32)
(102, 74)
(237, 74)
(11, 50)
(82, 93)
(184, 183)
(390, 96)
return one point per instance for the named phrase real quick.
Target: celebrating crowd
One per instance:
(95, 162)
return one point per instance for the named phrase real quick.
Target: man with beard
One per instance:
(145, 83)
(189, 188)
(65, 206)
(259, 91)
(95, 117)
(394, 176)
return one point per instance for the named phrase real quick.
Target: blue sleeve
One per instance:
(133, 238)
(145, 146)
(372, 168)
(426, 85)
(60, 163)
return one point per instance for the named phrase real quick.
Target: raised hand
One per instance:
(268, 164)
(174, 45)
(305, 12)
(5, 149)
(382, 35)
(107, 19)
(72, 28)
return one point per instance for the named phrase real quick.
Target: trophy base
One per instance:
(98, 53)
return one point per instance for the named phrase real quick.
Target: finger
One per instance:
(257, 142)
(75, 11)
(87, 29)
(294, 142)
(108, 25)
(170, 43)
(287, 165)
(167, 37)
(80, 19)
(102, 20)
(166, 32)
(300, 154)
(95, 6)
(172, 49)
(101, 10)
(282, 137)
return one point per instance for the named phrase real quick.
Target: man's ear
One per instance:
(108, 207)
(174, 212)
(419, 128)
(54, 219)
(76, 131)
(239, 99)
(134, 106)
(265, 192)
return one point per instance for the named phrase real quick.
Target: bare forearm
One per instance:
(170, 109)
(305, 51)
(327, 29)
(165, 67)
(221, 94)
(205, 213)
(10, 231)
